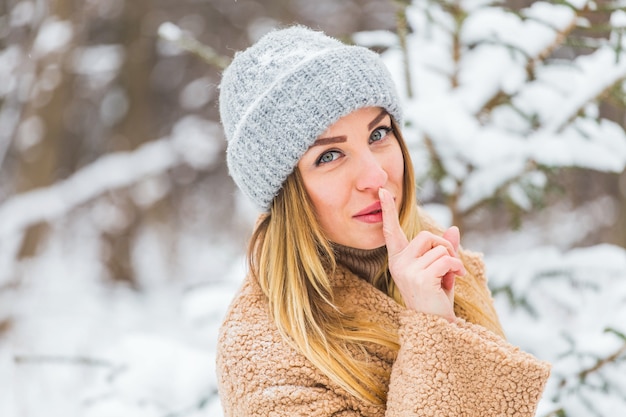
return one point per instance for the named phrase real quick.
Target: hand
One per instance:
(423, 269)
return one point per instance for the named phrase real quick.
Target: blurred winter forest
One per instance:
(122, 237)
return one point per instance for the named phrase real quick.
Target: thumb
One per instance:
(395, 239)
(453, 236)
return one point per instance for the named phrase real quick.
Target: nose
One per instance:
(370, 174)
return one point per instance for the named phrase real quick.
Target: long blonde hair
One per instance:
(294, 262)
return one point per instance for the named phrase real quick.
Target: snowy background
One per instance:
(122, 239)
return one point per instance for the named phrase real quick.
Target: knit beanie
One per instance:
(279, 95)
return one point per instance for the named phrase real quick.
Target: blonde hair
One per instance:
(294, 262)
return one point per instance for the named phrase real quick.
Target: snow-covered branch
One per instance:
(491, 130)
(113, 171)
(598, 73)
(172, 33)
(194, 141)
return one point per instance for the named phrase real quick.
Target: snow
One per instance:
(570, 149)
(580, 4)
(9, 59)
(599, 70)
(94, 60)
(578, 295)
(54, 35)
(22, 14)
(485, 182)
(376, 38)
(196, 94)
(113, 107)
(192, 370)
(618, 19)
(198, 140)
(169, 31)
(50, 78)
(30, 132)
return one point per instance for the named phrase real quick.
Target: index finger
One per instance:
(453, 236)
(395, 239)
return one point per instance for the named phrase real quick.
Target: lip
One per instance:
(372, 209)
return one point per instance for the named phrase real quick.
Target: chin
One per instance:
(368, 239)
(368, 244)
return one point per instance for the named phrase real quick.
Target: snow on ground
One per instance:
(86, 347)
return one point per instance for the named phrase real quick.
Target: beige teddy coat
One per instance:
(441, 369)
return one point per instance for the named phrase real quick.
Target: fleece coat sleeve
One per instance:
(461, 369)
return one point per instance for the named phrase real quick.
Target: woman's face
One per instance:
(343, 170)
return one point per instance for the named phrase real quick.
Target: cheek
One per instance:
(325, 198)
(397, 168)
(329, 199)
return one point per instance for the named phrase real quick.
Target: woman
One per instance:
(355, 303)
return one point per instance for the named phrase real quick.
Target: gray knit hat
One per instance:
(279, 95)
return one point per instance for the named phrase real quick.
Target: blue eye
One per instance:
(379, 133)
(327, 157)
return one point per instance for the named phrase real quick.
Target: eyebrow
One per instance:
(328, 141)
(377, 119)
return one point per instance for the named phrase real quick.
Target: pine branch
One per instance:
(548, 50)
(436, 160)
(582, 375)
(531, 63)
(531, 165)
(560, 412)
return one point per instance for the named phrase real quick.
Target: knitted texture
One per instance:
(279, 95)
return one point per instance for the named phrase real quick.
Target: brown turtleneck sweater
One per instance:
(364, 263)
